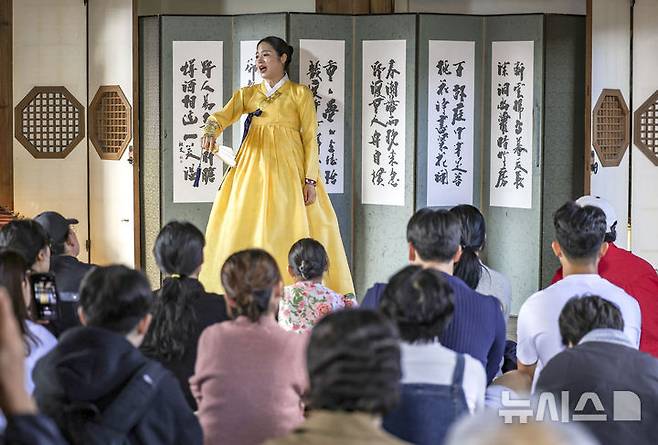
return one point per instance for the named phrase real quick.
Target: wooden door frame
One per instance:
(6, 105)
(136, 156)
(587, 152)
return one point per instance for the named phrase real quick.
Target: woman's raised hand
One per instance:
(209, 143)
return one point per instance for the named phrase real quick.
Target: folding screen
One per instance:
(379, 230)
(311, 35)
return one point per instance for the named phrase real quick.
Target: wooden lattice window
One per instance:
(110, 120)
(49, 122)
(611, 128)
(646, 128)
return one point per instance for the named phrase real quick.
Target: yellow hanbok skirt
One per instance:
(261, 203)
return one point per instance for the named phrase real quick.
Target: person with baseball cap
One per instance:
(630, 272)
(65, 248)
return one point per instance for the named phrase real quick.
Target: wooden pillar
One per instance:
(6, 107)
(588, 101)
(354, 7)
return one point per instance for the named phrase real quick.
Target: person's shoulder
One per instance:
(634, 264)
(46, 338)
(462, 290)
(475, 368)
(616, 294)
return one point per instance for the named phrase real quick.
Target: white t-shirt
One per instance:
(538, 331)
(435, 364)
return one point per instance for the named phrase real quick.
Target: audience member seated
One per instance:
(68, 270)
(579, 246)
(182, 309)
(37, 341)
(438, 384)
(28, 238)
(250, 374)
(308, 300)
(25, 424)
(354, 368)
(477, 327)
(489, 429)
(470, 268)
(601, 359)
(630, 272)
(96, 384)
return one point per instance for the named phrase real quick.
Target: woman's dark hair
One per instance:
(25, 236)
(353, 360)
(115, 298)
(249, 278)
(474, 229)
(583, 314)
(579, 230)
(281, 47)
(178, 251)
(420, 302)
(308, 259)
(13, 271)
(434, 234)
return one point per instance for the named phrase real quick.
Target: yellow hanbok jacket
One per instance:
(261, 202)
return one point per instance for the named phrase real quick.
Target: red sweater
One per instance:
(639, 279)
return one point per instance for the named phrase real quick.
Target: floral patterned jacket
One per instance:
(305, 302)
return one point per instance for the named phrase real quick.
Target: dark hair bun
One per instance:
(308, 259)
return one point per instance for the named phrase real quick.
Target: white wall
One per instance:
(611, 69)
(492, 6)
(644, 205)
(111, 182)
(49, 50)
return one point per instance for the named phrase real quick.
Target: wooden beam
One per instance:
(137, 202)
(587, 152)
(354, 7)
(6, 107)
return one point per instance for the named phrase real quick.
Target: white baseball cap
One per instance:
(608, 209)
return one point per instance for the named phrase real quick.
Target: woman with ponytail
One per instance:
(182, 309)
(308, 300)
(470, 268)
(250, 374)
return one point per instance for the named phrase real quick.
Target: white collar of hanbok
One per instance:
(269, 91)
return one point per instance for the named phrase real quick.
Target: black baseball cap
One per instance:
(56, 225)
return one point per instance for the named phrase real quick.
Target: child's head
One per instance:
(118, 299)
(179, 249)
(307, 260)
(252, 282)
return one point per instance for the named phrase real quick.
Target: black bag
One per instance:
(86, 424)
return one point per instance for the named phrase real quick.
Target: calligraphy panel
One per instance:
(383, 120)
(197, 93)
(450, 122)
(322, 68)
(512, 80)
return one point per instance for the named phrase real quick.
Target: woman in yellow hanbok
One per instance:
(274, 196)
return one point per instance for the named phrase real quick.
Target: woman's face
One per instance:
(269, 63)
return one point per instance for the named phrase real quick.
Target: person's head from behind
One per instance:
(420, 302)
(118, 299)
(63, 239)
(14, 278)
(273, 56)
(473, 228)
(608, 210)
(252, 281)
(584, 314)
(178, 249)
(178, 252)
(353, 360)
(579, 233)
(307, 260)
(434, 238)
(28, 238)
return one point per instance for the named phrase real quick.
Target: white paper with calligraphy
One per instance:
(383, 122)
(450, 114)
(249, 75)
(197, 93)
(322, 68)
(511, 124)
